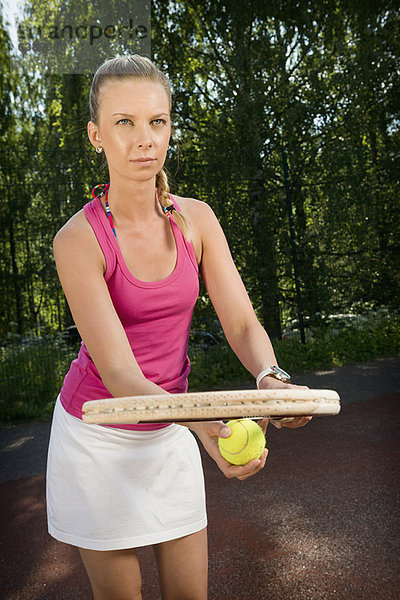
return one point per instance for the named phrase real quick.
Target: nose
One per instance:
(144, 137)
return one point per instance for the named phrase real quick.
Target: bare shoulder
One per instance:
(76, 239)
(194, 209)
(201, 216)
(74, 227)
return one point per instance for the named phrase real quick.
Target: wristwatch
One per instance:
(275, 372)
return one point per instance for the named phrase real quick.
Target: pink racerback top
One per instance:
(156, 316)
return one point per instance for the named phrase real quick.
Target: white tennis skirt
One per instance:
(110, 488)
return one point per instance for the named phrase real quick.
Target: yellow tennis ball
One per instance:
(246, 442)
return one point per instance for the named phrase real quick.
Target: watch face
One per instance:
(280, 373)
(275, 372)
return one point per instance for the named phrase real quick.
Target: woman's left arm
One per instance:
(244, 333)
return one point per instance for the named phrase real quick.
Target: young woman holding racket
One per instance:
(129, 263)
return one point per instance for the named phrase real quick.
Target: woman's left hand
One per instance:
(270, 383)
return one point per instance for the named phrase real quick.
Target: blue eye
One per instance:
(155, 121)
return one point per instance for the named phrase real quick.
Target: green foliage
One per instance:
(215, 367)
(321, 82)
(32, 369)
(373, 335)
(31, 374)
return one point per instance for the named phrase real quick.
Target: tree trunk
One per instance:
(17, 291)
(265, 262)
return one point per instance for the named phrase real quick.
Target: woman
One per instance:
(129, 263)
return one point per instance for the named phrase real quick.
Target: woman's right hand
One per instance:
(209, 431)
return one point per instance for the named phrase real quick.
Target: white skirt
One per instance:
(110, 489)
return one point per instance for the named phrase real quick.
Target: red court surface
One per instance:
(321, 521)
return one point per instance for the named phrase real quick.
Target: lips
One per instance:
(143, 160)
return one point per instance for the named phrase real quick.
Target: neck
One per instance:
(132, 201)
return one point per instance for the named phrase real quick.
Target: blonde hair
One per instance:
(136, 67)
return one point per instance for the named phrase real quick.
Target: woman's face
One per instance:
(133, 125)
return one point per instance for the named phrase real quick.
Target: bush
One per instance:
(341, 341)
(32, 369)
(31, 374)
(368, 336)
(215, 367)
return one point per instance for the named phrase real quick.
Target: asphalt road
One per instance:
(319, 522)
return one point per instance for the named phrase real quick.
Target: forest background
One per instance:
(287, 122)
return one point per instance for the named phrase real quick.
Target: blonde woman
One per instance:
(129, 263)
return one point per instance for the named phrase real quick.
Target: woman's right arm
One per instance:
(80, 267)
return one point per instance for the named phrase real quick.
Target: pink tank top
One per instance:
(156, 317)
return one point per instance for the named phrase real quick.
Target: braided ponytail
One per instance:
(165, 201)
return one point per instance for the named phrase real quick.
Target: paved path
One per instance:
(320, 522)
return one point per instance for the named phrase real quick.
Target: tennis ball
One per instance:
(246, 442)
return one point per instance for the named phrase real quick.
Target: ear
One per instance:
(94, 134)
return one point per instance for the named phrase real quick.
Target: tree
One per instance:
(249, 79)
(270, 76)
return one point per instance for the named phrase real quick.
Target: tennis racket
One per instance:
(212, 406)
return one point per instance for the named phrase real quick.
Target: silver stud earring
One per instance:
(99, 149)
